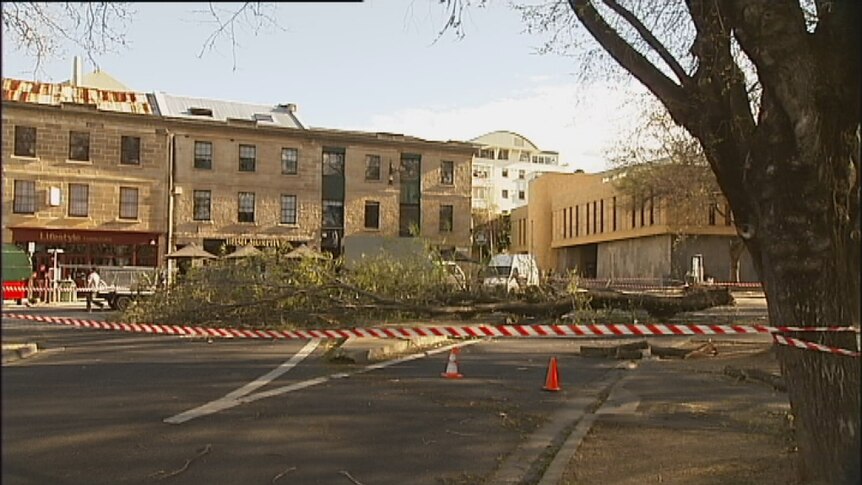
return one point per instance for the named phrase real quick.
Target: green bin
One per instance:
(67, 291)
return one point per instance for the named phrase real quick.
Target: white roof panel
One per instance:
(181, 107)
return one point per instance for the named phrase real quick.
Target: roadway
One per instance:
(110, 407)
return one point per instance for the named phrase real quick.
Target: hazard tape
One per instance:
(469, 331)
(804, 344)
(38, 289)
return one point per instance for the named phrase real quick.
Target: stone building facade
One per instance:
(122, 178)
(84, 171)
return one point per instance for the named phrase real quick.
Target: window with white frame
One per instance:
(79, 200)
(204, 155)
(128, 203)
(247, 158)
(289, 161)
(25, 197)
(202, 205)
(288, 209)
(245, 207)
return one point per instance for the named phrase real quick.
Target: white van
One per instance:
(514, 272)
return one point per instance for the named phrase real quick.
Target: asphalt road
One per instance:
(92, 407)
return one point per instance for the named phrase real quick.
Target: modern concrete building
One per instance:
(582, 222)
(503, 166)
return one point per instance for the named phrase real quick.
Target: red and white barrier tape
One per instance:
(804, 344)
(573, 330)
(36, 290)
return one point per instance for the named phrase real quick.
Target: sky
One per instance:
(373, 66)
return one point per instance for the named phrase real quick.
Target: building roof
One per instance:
(99, 79)
(216, 110)
(57, 94)
(505, 139)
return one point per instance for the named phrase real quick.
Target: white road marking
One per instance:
(230, 400)
(225, 403)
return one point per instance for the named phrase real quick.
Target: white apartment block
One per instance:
(503, 166)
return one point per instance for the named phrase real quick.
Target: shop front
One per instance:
(89, 248)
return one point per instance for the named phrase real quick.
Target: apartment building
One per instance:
(583, 222)
(85, 173)
(503, 166)
(123, 178)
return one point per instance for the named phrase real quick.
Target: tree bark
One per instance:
(792, 180)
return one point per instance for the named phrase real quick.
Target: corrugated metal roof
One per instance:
(55, 94)
(182, 107)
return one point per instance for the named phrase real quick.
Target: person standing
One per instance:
(94, 282)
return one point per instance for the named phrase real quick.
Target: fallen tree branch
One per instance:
(185, 467)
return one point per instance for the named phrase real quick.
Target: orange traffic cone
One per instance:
(452, 366)
(552, 381)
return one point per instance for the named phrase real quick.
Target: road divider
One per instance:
(462, 331)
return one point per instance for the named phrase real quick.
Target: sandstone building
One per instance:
(124, 178)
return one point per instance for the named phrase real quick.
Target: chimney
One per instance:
(77, 71)
(290, 107)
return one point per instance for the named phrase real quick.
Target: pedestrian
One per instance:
(94, 282)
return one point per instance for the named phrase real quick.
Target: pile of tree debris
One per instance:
(269, 291)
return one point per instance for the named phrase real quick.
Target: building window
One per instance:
(587, 218)
(505, 194)
(712, 207)
(79, 200)
(333, 214)
(522, 195)
(333, 163)
(79, 146)
(202, 205)
(728, 215)
(595, 216)
(25, 197)
(288, 209)
(25, 141)
(486, 153)
(602, 215)
(372, 215)
(446, 213)
(447, 173)
(245, 207)
(130, 150)
(128, 203)
(204, 155)
(289, 161)
(521, 174)
(503, 154)
(577, 220)
(524, 157)
(505, 173)
(372, 167)
(247, 158)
